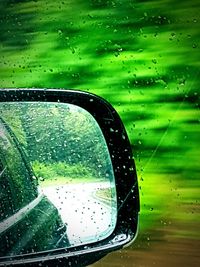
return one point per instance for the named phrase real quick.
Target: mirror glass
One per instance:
(57, 186)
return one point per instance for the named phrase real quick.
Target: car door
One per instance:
(25, 213)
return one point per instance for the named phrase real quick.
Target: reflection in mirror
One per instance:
(57, 185)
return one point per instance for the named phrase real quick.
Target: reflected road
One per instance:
(88, 217)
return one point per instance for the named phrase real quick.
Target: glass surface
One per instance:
(144, 58)
(54, 160)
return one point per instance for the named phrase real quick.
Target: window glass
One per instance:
(144, 58)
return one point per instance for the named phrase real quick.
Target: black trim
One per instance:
(124, 170)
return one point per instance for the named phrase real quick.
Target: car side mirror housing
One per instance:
(69, 190)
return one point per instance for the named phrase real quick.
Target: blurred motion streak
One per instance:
(143, 57)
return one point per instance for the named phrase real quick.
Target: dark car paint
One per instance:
(40, 226)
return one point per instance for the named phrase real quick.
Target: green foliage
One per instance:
(52, 171)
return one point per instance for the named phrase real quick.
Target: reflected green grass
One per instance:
(60, 180)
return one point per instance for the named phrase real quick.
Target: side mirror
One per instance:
(68, 184)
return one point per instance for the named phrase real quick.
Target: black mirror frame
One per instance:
(125, 178)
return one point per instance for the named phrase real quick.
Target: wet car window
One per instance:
(143, 57)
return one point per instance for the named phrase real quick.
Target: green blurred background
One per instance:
(144, 58)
